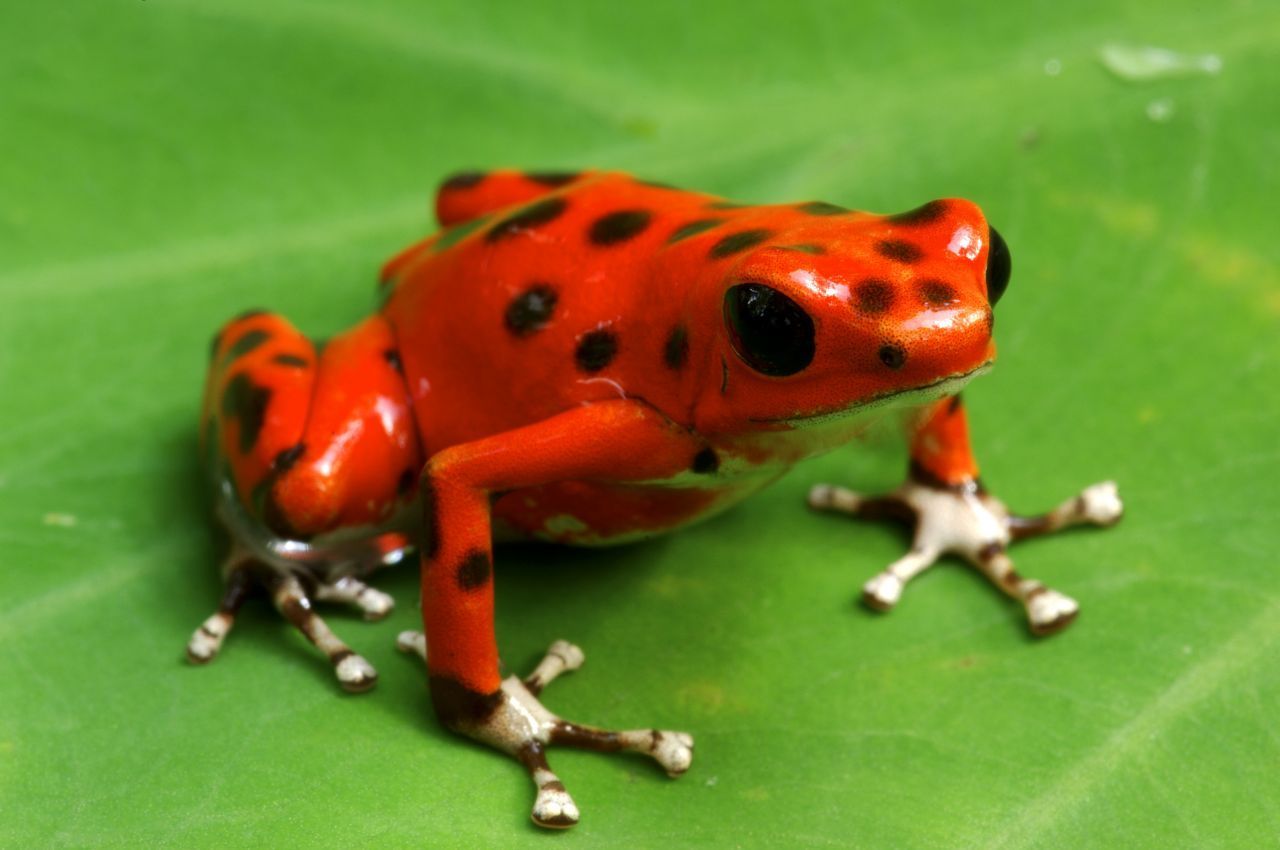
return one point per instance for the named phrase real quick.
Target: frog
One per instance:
(589, 358)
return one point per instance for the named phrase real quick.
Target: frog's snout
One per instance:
(939, 343)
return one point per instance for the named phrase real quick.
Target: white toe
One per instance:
(376, 604)
(1051, 610)
(820, 495)
(201, 648)
(1101, 503)
(355, 673)
(415, 642)
(207, 640)
(883, 591)
(674, 751)
(571, 654)
(554, 808)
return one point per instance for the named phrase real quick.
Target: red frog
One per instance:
(589, 358)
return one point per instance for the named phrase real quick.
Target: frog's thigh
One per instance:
(313, 440)
(357, 457)
(259, 389)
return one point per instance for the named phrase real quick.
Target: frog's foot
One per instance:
(354, 673)
(207, 640)
(514, 721)
(374, 604)
(965, 520)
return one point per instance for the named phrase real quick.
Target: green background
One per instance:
(167, 164)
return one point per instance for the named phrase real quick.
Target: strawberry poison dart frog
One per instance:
(589, 358)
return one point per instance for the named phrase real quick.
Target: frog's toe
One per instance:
(828, 497)
(1100, 504)
(355, 674)
(822, 496)
(414, 643)
(1097, 504)
(562, 657)
(673, 751)
(1049, 611)
(373, 603)
(554, 808)
(206, 641)
(882, 592)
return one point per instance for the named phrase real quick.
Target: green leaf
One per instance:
(167, 164)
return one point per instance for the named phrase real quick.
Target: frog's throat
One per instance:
(940, 388)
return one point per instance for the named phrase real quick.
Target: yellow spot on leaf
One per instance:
(711, 697)
(1121, 215)
(1234, 267)
(671, 586)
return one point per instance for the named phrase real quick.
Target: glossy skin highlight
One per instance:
(588, 358)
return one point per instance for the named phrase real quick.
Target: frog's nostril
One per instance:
(893, 355)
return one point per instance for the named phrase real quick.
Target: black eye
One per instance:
(768, 330)
(999, 265)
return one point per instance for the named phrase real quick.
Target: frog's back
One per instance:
(542, 295)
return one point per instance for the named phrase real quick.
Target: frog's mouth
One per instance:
(940, 388)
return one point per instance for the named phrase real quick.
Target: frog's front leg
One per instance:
(620, 440)
(952, 513)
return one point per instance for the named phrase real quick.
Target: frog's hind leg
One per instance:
(373, 603)
(354, 673)
(243, 572)
(330, 576)
(207, 640)
(314, 456)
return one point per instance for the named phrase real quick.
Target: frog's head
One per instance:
(848, 312)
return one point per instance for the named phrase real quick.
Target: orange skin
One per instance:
(560, 361)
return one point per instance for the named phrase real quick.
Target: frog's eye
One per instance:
(999, 265)
(769, 331)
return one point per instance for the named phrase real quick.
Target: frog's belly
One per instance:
(594, 514)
